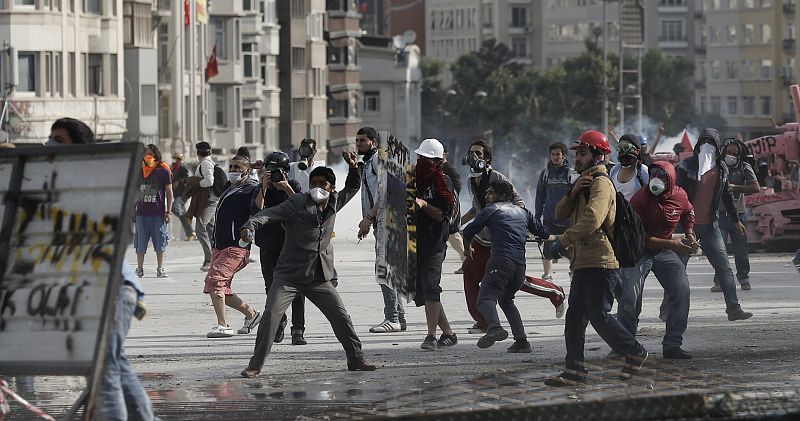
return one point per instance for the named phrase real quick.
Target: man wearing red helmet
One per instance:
(592, 261)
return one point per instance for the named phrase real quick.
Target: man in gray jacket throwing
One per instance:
(306, 263)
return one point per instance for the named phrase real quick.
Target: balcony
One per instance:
(789, 8)
(789, 45)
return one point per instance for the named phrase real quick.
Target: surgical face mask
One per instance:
(731, 160)
(319, 194)
(51, 142)
(657, 186)
(234, 176)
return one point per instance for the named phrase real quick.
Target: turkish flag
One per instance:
(187, 13)
(685, 142)
(363, 6)
(211, 68)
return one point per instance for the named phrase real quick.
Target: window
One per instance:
(48, 74)
(317, 83)
(298, 109)
(715, 105)
(703, 108)
(249, 55)
(94, 74)
(749, 105)
(766, 69)
(26, 71)
(747, 31)
(519, 17)
(748, 69)
(733, 102)
(715, 69)
(766, 105)
(702, 70)
(92, 6)
(112, 71)
(337, 108)
(250, 126)
(732, 34)
(219, 105)
(672, 30)
(766, 34)
(372, 101)
(148, 97)
(298, 58)
(72, 74)
(519, 47)
(237, 101)
(299, 8)
(487, 15)
(267, 8)
(219, 38)
(31, 3)
(714, 38)
(136, 22)
(58, 82)
(314, 26)
(731, 69)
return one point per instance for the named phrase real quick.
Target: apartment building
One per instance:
(140, 58)
(342, 31)
(746, 60)
(62, 58)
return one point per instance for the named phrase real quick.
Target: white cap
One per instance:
(431, 148)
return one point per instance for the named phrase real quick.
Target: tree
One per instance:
(666, 89)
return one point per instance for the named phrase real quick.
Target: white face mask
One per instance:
(51, 142)
(657, 186)
(319, 194)
(731, 160)
(234, 176)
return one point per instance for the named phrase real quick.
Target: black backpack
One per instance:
(628, 240)
(220, 179)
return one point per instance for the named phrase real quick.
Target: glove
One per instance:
(554, 250)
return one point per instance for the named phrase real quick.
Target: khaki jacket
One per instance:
(586, 243)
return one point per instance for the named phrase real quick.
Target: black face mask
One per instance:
(306, 152)
(627, 160)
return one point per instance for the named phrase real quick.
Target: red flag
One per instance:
(187, 13)
(685, 142)
(363, 7)
(211, 68)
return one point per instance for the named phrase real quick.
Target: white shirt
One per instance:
(303, 176)
(633, 185)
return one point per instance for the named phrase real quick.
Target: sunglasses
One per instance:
(625, 147)
(657, 172)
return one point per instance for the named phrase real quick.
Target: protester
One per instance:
(481, 174)
(275, 189)
(742, 180)
(306, 263)
(630, 174)
(300, 171)
(367, 140)
(435, 201)
(796, 260)
(455, 239)
(554, 182)
(591, 209)
(204, 226)
(704, 176)
(180, 175)
(234, 208)
(121, 396)
(153, 211)
(661, 207)
(505, 270)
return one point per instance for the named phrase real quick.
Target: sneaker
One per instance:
(429, 344)
(403, 325)
(192, 237)
(206, 267)
(297, 338)
(161, 273)
(547, 277)
(738, 314)
(249, 324)
(614, 356)
(139, 272)
(219, 331)
(279, 334)
(745, 283)
(386, 326)
(567, 378)
(491, 337)
(633, 363)
(459, 271)
(250, 372)
(676, 353)
(475, 330)
(561, 309)
(360, 365)
(446, 341)
(521, 346)
(716, 288)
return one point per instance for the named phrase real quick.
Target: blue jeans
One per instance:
(121, 397)
(713, 246)
(393, 309)
(670, 270)
(151, 228)
(738, 244)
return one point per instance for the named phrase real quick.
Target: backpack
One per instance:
(455, 216)
(628, 240)
(220, 179)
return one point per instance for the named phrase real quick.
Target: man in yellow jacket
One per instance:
(592, 262)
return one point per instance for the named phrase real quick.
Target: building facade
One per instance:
(140, 58)
(343, 31)
(392, 84)
(62, 59)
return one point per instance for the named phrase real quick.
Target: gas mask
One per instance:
(476, 165)
(305, 157)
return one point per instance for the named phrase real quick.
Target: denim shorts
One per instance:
(151, 227)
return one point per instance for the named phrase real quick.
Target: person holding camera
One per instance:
(481, 175)
(299, 171)
(275, 188)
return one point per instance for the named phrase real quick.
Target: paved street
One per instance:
(184, 371)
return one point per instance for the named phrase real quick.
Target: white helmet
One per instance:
(431, 148)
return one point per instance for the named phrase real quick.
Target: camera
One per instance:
(275, 174)
(476, 164)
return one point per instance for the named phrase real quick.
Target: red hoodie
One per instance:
(661, 214)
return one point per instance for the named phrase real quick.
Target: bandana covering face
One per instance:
(429, 175)
(148, 165)
(707, 158)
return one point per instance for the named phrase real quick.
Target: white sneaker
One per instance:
(219, 331)
(385, 327)
(561, 309)
(140, 272)
(547, 277)
(249, 324)
(161, 273)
